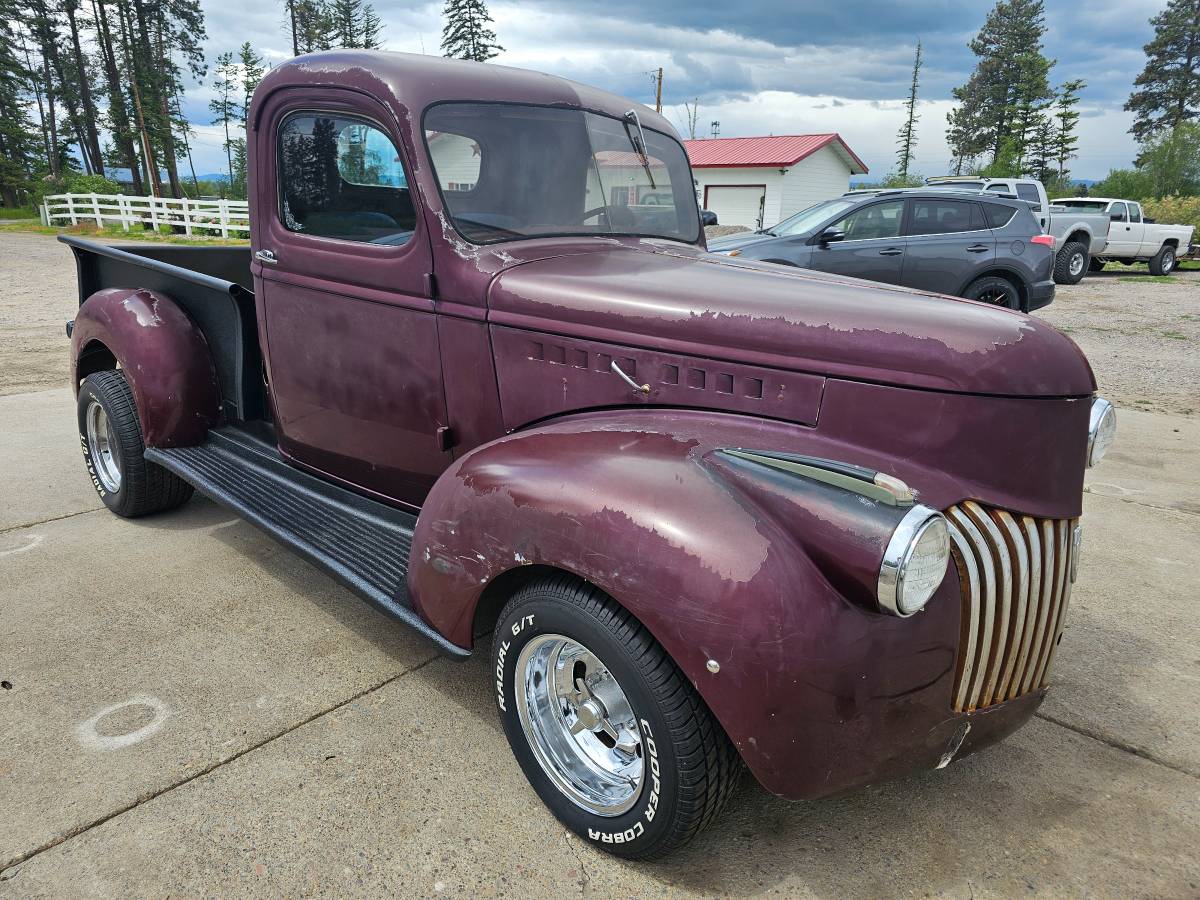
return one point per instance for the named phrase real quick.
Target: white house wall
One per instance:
(822, 176)
(768, 177)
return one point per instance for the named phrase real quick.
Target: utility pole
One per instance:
(658, 92)
(714, 128)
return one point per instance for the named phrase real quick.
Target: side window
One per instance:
(930, 216)
(1029, 193)
(1135, 213)
(879, 220)
(341, 177)
(998, 188)
(1118, 211)
(998, 216)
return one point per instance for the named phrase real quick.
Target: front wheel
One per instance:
(611, 735)
(994, 290)
(1163, 261)
(111, 436)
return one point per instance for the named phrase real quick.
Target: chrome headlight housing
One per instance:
(915, 561)
(1102, 428)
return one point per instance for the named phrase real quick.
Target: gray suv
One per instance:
(982, 247)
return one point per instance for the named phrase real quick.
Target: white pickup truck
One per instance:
(1131, 236)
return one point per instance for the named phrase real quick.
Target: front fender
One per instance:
(164, 357)
(641, 504)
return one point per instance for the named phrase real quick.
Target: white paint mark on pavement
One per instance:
(90, 737)
(32, 541)
(1107, 489)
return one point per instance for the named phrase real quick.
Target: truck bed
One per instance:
(211, 284)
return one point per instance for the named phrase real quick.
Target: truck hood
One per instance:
(682, 300)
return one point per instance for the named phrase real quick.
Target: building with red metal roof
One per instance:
(758, 181)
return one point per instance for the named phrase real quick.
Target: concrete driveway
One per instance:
(187, 708)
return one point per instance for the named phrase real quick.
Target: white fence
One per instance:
(205, 217)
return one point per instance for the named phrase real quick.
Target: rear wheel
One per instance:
(111, 436)
(1163, 261)
(608, 731)
(994, 290)
(1071, 263)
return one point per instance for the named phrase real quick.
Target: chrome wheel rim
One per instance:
(579, 724)
(1168, 261)
(102, 448)
(1076, 264)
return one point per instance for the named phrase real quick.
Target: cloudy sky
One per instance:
(760, 67)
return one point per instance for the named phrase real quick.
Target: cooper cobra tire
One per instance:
(560, 645)
(1163, 262)
(1071, 263)
(994, 290)
(1096, 265)
(111, 436)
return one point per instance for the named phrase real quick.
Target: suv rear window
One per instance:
(998, 216)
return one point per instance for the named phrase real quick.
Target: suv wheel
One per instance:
(994, 290)
(611, 735)
(1163, 261)
(1071, 263)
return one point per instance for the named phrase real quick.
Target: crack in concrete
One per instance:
(584, 878)
(7, 872)
(1115, 744)
(82, 512)
(1173, 509)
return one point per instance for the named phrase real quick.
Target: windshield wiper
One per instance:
(639, 147)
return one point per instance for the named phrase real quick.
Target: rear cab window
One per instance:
(341, 177)
(1029, 193)
(1135, 212)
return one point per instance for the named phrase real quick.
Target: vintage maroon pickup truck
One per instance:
(479, 367)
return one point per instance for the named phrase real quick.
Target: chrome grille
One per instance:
(1015, 573)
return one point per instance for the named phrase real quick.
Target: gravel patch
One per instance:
(1142, 336)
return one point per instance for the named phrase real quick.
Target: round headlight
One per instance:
(1102, 428)
(915, 561)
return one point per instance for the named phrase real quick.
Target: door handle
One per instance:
(266, 256)
(978, 248)
(891, 251)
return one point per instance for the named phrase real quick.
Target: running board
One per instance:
(363, 544)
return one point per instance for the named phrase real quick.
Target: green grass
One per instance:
(1150, 279)
(115, 232)
(17, 212)
(1182, 265)
(1175, 335)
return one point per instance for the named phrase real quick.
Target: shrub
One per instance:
(1175, 211)
(91, 184)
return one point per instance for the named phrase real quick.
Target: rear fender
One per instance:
(724, 565)
(163, 355)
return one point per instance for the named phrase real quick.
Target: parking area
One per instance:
(189, 708)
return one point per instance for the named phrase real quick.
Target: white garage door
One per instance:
(740, 204)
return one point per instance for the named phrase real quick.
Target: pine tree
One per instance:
(355, 24)
(466, 34)
(1167, 92)
(311, 24)
(999, 105)
(1066, 142)
(224, 105)
(372, 29)
(907, 138)
(18, 141)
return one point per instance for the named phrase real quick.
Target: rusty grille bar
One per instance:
(1016, 585)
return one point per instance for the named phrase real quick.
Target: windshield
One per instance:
(808, 219)
(508, 172)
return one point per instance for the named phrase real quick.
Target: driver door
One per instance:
(873, 246)
(342, 265)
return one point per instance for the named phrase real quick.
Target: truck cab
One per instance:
(478, 366)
